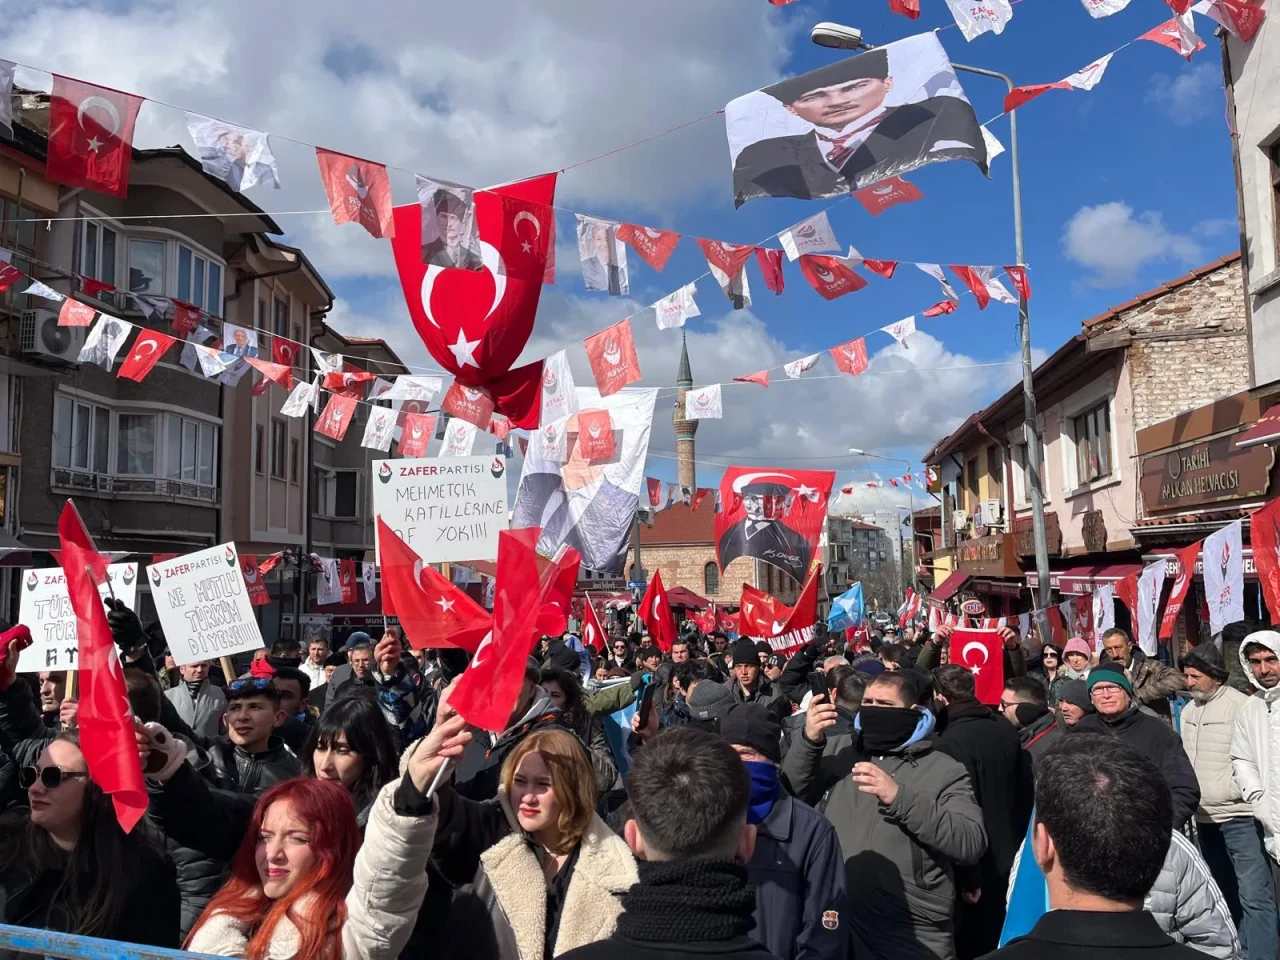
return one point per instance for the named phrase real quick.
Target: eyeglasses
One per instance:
(1006, 704)
(256, 684)
(51, 777)
(1049, 656)
(1105, 689)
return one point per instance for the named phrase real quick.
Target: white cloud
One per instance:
(1114, 244)
(1191, 95)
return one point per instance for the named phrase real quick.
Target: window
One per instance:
(1092, 433)
(136, 444)
(710, 579)
(261, 320)
(259, 448)
(81, 435)
(995, 470)
(1021, 475)
(98, 254)
(971, 483)
(279, 435)
(1274, 153)
(334, 493)
(199, 281)
(294, 458)
(146, 266)
(191, 450)
(282, 318)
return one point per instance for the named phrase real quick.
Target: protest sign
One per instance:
(46, 610)
(446, 508)
(204, 606)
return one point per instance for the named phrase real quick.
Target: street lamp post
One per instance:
(843, 37)
(911, 498)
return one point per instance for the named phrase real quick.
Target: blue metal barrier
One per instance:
(48, 943)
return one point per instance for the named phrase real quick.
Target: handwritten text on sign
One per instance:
(46, 610)
(444, 508)
(204, 606)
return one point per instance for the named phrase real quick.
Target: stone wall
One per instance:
(685, 565)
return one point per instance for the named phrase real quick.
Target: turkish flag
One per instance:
(699, 496)
(1179, 6)
(264, 567)
(488, 689)
(705, 621)
(939, 308)
(761, 378)
(348, 382)
(90, 136)
(472, 404)
(283, 351)
(977, 286)
(347, 580)
(358, 191)
(655, 613)
(253, 580)
(878, 197)
(336, 417)
(654, 487)
(9, 275)
(415, 433)
(1186, 560)
(908, 8)
(982, 652)
(433, 611)
(475, 323)
(771, 267)
(148, 347)
(851, 357)
(1176, 34)
(831, 276)
(104, 719)
(91, 287)
(1264, 536)
(727, 257)
(75, 314)
(885, 268)
(654, 246)
(1127, 593)
(612, 353)
(595, 435)
(186, 317)
(275, 372)
(1018, 277)
(593, 635)
(1238, 17)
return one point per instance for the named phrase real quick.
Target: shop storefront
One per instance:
(985, 570)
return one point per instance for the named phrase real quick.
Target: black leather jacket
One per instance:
(234, 768)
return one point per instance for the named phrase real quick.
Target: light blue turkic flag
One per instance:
(847, 610)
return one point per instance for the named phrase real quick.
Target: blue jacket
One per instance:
(798, 872)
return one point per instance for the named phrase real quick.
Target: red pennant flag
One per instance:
(264, 568)
(831, 276)
(283, 351)
(358, 191)
(253, 580)
(595, 435)
(1018, 277)
(885, 268)
(593, 635)
(472, 404)
(612, 353)
(982, 652)
(908, 8)
(1237, 17)
(939, 308)
(523, 444)
(75, 314)
(104, 720)
(727, 257)
(1021, 95)
(148, 347)
(977, 286)
(91, 287)
(185, 317)
(761, 378)
(704, 621)
(655, 613)
(1186, 561)
(500, 426)
(1264, 536)
(348, 382)
(654, 246)
(1177, 36)
(9, 275)
(698, 496)
(260, 386)
(654, 487)
(347, 580)
(274, 372)
(433, 611)
(415, 433)
(771, 267)
(1179, 6)
(91, 136)
(851, 357)
(1127, 593)
(878, 197)
(336, 417)
(785, 628)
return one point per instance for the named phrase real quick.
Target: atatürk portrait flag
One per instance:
(844, 126)
(772, 515)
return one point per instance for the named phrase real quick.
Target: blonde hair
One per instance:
(572, 778)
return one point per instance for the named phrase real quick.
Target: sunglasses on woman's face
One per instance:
(51, 777)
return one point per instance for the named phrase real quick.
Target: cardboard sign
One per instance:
(46, 610)
(446, 508)
(203, 605)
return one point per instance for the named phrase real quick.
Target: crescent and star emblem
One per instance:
(484, 645)
(964, 655)
(102, 103)
(142, 345)
(525, 245)
(826, 276)
(492, 261)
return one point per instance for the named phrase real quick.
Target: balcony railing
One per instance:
(109, 485)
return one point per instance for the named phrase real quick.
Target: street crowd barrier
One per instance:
(29, 942)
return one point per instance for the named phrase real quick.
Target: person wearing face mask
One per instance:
(1025, 705)
(1229, 836)
(905, 815)
(797, 867)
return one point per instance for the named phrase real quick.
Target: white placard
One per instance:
(445, 508)
(203, 605)
(46, 610)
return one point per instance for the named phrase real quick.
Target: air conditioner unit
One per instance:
(959, 520)
(41, 335)
(992, 512)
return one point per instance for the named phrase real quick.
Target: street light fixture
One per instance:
(842, 37)
(859, 452)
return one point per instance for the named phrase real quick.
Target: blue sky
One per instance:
(1123, 187)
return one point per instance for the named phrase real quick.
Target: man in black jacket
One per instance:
(251, 757)
(1025, 704)
(1001, 775)
(1103, 823)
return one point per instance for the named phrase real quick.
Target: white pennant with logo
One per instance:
(704, 403)
(1224, 576)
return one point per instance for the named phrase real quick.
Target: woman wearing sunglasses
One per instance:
(66, 865)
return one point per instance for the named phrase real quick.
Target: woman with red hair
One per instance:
(302, 884)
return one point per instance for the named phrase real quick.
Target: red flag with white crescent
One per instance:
(831, 276)
(283, 351)
(771, 268)
(786, 629)
(593, 635)
(275, 372)
(1186, 561)
(982, 653)
(148, 347)
(655, 613)
(433, 611)
(761, 377)
(654, 246)
(90, 141)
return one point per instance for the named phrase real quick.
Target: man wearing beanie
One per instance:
(749, 684)
(1111, 694)
(797, 867)
(1153, 683)
(708, 703)
(1229, 836)
(1073, 703)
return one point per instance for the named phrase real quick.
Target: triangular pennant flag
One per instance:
(654, 246)
(761, 378)
(675, 308)
(704, 403)
(38, 289)
(301, 399)
(1178, 35)
(851, 357)
(1083, 79)
(901, 330)
(145, 353)
(274, 372)
(212, 360)
(797, 368)
(939, 308)
(935, 270)
(994, 146)
(809, 236)
(771, 268)
(727, 263)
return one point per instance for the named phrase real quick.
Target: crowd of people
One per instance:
(853, 799)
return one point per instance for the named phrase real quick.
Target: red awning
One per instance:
(1266, 430)
(679, 596)
(948, 587)
(1083, 579)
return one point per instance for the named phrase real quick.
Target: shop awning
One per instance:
(948, 587)
(1266, 430)
(681, 596)
(1085, 578)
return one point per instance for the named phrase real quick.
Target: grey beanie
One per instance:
(1208, 660)
(710, 700)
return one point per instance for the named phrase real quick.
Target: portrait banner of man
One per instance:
(880, 114)
(239, 341)
(238, 156)
(104, 342)
(603, 256)
(450, 234)
(772, 515)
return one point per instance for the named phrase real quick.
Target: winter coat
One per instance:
(1255, 741)
(481, 762)
(232, 767)
(1207, 727)
(898, 858)
(767, 694)
(1188, 905)
(1090, 935)
(1155, 740)
(202, 713)
(798, 872)
(794, 681)
(1015, 661)
(1153, 682)
(1039, 735)
(389, 882)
